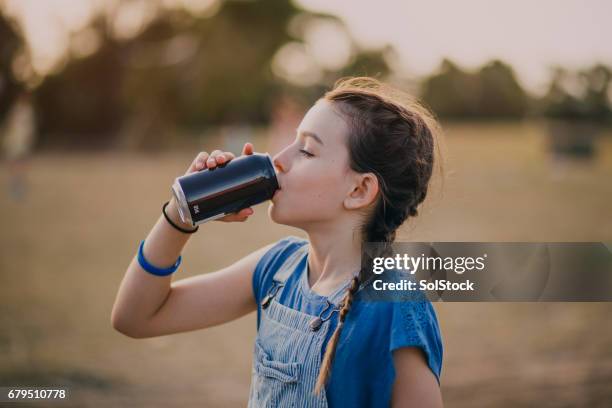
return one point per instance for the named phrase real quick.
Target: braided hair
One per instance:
(392, 136)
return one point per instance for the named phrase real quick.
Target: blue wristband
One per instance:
(154, 269)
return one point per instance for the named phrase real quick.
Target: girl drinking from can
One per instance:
(360, 165)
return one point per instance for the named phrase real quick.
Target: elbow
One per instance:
(124, 327)
(128, 331)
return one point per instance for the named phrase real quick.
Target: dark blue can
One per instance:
(228, 188)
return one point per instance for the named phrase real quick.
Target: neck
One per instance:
(334, 255)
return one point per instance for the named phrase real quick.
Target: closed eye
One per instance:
(305, 153)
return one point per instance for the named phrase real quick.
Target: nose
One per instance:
(278, 162)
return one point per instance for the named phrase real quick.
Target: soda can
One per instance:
(228, 188)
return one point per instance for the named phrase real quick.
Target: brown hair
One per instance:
(392, 136)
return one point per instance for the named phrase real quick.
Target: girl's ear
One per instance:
(363, 191)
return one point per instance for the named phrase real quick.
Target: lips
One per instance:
(274, 196)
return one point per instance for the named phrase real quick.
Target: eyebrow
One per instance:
(313, 135)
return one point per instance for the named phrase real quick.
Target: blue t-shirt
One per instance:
(362, 370)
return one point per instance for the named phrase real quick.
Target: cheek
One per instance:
(320, 187)
(311, 195)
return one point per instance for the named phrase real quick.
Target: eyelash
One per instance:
(305, 153)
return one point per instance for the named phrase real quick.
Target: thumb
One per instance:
(247, 149)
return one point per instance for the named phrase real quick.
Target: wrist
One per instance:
(173, 214)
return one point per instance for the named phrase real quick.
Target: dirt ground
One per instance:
(64, 250)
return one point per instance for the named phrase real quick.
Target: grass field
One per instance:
(64, 250)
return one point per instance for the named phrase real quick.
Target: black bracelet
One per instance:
(186, 231)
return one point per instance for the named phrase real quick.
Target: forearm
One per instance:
(141, 293)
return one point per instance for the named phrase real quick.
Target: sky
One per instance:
(532, 35)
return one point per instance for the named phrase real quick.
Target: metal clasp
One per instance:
(316, 323)
(268, 298)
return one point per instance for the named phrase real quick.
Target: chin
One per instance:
(273, 213)
(279, 216)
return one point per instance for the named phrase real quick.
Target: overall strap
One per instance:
(288, 266)
(282, 274)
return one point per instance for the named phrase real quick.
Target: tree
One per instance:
(82, 104)
(491, 92)
(582, 95)
(501, 95)
(10, 44)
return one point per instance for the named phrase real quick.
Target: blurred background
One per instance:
(104, 102)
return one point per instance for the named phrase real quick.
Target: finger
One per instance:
(212, 162)
(232, 218)
(240, 216)
(245, 212)
(199, 162)
(224, 157)
(236, 218)
(247, 149)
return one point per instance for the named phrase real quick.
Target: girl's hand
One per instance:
(208, 161)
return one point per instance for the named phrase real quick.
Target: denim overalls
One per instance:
(288, 347)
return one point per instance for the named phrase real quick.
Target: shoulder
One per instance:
(279, 251)
(272, 259)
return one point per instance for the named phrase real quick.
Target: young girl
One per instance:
(359, 167)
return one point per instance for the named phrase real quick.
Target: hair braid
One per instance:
(333, 342)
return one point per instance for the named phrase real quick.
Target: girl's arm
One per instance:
(415, 385)
(148, 305)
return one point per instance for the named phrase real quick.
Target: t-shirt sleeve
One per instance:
(415, 324)
(270, 262)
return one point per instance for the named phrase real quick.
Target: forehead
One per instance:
(326, 122)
